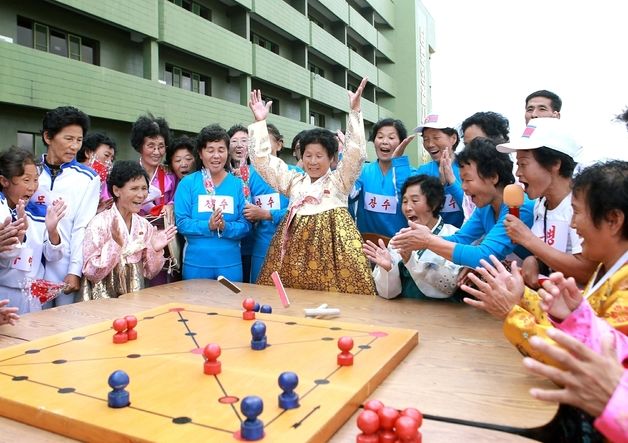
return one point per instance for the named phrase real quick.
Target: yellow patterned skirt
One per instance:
(324, 253)
(121, 280)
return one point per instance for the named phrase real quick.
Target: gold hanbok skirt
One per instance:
(323, 253)
(121, 280)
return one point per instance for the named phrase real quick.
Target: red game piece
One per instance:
(414, 413)
(387, 418)
(248, 304)
(345, 358)
(407, 429)
(373, 405)
(119, 324)
(368, 422)
(212, 366)
(131, 323)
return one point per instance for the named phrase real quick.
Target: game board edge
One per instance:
(62, 425)
(349, 408)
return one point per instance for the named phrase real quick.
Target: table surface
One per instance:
(463, 367)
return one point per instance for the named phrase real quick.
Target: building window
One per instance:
(31, 142)
(317, 70)
(317, 21)
(195, 8)
(317, 119)
(190, 81)
(58, 43)
(264, 43)
(274, 108)
(24, 34)
(44, 38)
(26, 140)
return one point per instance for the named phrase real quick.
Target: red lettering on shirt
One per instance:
(550, 235)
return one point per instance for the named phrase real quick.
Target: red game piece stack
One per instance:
(248, 304)
(211, 353)
(345, 358)
(380, 424)
(125, 329)
(119, 325)
(131, 323)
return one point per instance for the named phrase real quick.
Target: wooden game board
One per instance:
(59, 383)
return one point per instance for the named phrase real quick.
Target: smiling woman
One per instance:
(121, 248)
(378, 209)
(209, 209)
(317, 245)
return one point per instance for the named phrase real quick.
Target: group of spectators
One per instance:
(224, 203)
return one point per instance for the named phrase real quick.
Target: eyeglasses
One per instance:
(238, 141)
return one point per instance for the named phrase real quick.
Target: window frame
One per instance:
(46, 30)
(78, 40)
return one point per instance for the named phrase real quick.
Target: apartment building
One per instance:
(195, 61)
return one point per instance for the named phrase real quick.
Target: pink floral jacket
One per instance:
(584, 325)
(101, 253)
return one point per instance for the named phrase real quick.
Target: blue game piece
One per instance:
(119, 397)
(266, 309)
(258, 332)
(252, 428)
(256, 307)
(288, 399)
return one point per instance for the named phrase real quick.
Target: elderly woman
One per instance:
(150, 136)
(121, 248)
(208, 208)
(180, 157)
(418, 274)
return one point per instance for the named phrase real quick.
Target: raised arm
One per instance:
(354, 153)
(272, 169)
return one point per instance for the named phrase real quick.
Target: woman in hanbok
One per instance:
(121, 248)
(317, 245)
(150, 137)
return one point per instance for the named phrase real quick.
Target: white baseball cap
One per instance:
(434, 121)
(544, 132)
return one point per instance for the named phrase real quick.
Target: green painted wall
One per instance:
(329, 45)
(208, 39)
(284, 16)
(137, 38)
(44, 81)
(279, 71)
(138, 15)
(117, 50)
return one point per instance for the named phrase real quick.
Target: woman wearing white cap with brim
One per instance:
(546, 155)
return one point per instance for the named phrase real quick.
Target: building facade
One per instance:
(195, 61)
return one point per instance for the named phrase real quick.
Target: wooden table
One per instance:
(463, 368)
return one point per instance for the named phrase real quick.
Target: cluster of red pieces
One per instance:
(45, 290)
(125, 329)
(383, 424)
